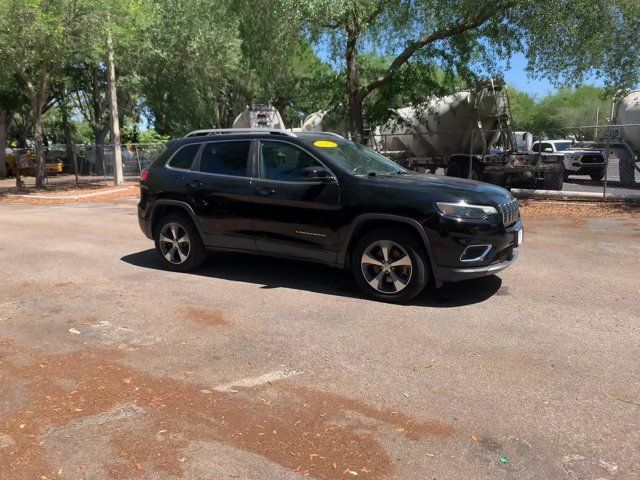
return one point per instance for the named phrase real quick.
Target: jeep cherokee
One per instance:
(322, 198)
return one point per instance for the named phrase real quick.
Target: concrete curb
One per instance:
(575, 196)
(68, 197)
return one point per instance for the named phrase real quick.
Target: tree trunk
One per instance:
(68, 140)
(354, 95)
(118, 177)
(39, 152)
(99, 134)
(3, 142)
(37, 103)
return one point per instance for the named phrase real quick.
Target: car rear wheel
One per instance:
(178, 243)
(390, 265)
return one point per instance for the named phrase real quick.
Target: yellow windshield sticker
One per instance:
(325, 144)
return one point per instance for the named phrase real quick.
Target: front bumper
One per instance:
(457, 274)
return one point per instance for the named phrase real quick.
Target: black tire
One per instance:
(454, 170)
(627, 171)
(597, 176)
(565, 175)
(420, 267)
(553, 181)
(194, 255)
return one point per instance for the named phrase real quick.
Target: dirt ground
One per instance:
(256, 368)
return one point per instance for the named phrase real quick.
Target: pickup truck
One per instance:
(576, 161)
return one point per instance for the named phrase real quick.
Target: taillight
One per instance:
(144, 174)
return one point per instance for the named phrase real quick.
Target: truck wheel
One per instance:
(553, 181)
(454, 170)
(390, 265)
(627, 170)
(178, 243)
(597, 176)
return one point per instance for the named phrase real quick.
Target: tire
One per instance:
(393, 284)
(454, 170)
(597, 176)
(626, 169)
(182, 256)
(553, 181)
(565, 175)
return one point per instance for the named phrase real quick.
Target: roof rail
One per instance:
(332, 134)
(223, 131)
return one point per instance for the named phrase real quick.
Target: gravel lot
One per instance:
(257, 368)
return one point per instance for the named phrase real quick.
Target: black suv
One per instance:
(322, 198)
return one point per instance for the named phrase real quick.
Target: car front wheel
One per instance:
(178, 243)
(390, 265)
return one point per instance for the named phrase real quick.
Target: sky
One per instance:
(516, 76)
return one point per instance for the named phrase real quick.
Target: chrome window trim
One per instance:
(196, 157)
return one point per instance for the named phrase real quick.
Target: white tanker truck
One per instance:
(469, 134)
(625, 137)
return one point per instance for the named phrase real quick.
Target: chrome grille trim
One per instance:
(510, 212)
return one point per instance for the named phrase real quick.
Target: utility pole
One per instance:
(118, 178)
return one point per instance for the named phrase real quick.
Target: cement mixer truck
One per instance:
(625, 137)
(469, 134)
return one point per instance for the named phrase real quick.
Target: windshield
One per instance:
(562, 146)
(358, 159)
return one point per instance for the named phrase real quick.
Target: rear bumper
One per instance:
(145, 224)
(457, 274)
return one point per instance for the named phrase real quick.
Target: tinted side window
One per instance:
(183, 158)
(546, 146)
(225, 158)
(536, 147)
(282, 161)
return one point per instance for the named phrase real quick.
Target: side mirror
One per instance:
(316, 174)
(548, 150)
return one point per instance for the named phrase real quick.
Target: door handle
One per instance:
(264, 190)
(194, 184)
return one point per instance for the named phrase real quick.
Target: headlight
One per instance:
(465, 211)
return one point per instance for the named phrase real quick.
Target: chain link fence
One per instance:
(589, 158)
(83, 162)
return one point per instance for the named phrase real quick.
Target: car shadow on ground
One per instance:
(280, 273)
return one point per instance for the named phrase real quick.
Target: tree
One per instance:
(192, 66)
(12, 98)
(463, 40)
(35, 39)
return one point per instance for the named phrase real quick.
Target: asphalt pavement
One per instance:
(256, 368)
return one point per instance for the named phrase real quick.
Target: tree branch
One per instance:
(377, 11)
(450, 31)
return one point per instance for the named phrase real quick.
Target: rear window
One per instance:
(183, 158)
(225, 158)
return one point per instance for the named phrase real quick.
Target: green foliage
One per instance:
(556, 115)
(152, 136)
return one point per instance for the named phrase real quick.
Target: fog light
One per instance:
(475, 253)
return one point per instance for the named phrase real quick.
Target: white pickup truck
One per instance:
(576, 161)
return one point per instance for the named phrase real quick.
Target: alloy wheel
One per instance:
(174, 243)
(386, 266)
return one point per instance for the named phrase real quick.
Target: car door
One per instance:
(294, 215)
(219, 189)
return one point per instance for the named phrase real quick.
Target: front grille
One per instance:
(592, 159)
(510, 212)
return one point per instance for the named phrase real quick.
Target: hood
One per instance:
(441, 188)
